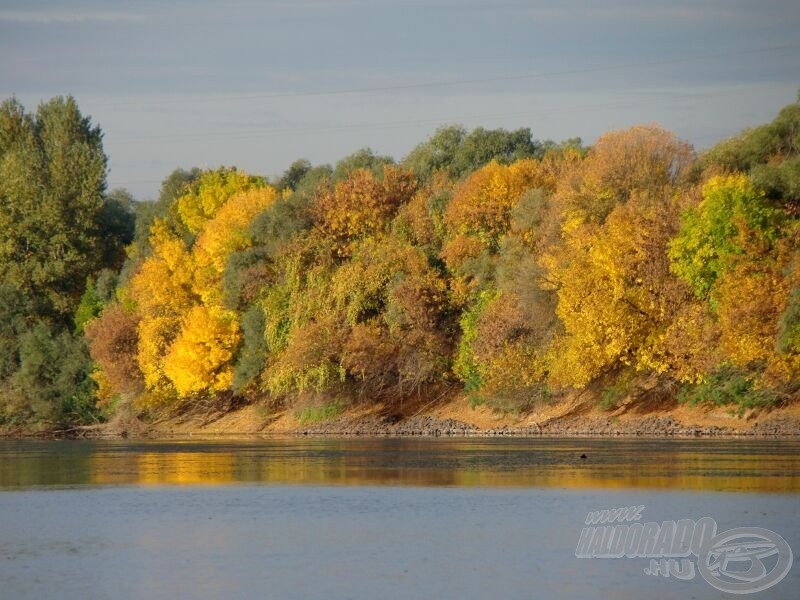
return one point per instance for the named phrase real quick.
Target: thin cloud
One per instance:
(67, 17)
(673, 13)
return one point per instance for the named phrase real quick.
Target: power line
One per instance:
(117, 184)
(458, 82)
(407, 123)
(251, 134)
(240, 135)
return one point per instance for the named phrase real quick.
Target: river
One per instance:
(372, 518)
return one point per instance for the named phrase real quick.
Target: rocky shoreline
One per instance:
(782, 423)
(647, 426)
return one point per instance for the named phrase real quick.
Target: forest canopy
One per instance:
(485, 262)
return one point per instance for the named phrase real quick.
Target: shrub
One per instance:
(729, 387)
(610, 398)
(316, 414)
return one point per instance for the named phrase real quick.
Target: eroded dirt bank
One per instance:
(456, 417)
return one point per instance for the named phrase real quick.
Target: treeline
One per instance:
(58, 227)
(487, 261)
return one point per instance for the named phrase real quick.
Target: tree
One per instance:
(228, 232)
(616, 296)
(364, 159)
(187, 338)
(309, 183)
(118, 226)
(482, 204)
(292, 177)
(621, 164)
(437, 153)
(60, 238)
(52, 204)
(147, 211)
(361, 205)
(769, 154)
(252, 357)
(789, 327)
(714, 233)
(162, 291)
(374, 322)
(482, 146)
(201, 357)
(113, 344)
(209, 192)
(421, 221)
(51, 386)
(15, 310)
(500, 359)
(478, 216)
(458, 153)
(99, 291)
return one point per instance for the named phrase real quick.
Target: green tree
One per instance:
(716, 231)
(293, 175)
(770, 154)
(437, 153)
(51, 386)
(361, 159)
(52, 204)
(14, 308)
(458, 153)
(482, 146)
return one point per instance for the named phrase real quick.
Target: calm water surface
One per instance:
(369, 518)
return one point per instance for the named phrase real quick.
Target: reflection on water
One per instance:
(732, 465)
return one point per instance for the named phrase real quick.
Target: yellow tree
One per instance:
(393, 304)
(736, 250)
(616, 295)
(372, 322)
(209, 193)
(187, 340)
(478, 215)
(200, 358)
(509, 358)
(645, 158)
(481, 206)
(227, 232)
(362, 205)
(162, 291)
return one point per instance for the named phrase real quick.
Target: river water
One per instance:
(371, 518)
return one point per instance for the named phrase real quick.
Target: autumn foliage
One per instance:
(516, 280)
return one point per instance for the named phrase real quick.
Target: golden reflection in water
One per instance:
(329, 462)
(728, 465)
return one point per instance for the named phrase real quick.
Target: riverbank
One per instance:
(456, 417)
(452, 417)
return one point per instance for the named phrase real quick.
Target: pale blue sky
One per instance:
(200, 83)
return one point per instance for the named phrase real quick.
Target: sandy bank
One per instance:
(456, 417)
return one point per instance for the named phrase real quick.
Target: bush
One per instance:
(113, 344)
(466, 366)
(516, 399)
(253, 354)
(789, 326)
(52, 386)
(317, 414)
(729, 387)
(610, 398)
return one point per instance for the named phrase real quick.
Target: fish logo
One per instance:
(745, 560)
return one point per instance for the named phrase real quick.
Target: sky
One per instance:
(260, 84)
